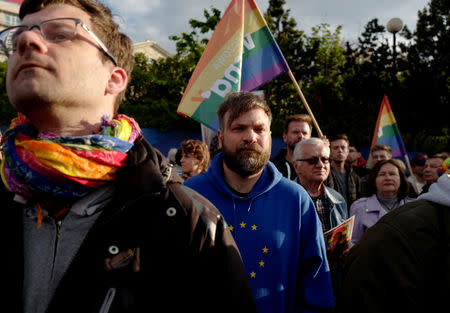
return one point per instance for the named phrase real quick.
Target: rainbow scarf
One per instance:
(45, 166)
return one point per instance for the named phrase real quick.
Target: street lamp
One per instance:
(394, 26)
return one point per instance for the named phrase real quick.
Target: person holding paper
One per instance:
(312, 165)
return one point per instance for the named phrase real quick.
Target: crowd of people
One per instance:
(97, 220)
(339, 181)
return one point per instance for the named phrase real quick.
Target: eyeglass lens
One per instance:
(52, 30)
(315, 160)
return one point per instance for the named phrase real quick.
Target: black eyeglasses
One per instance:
(315, 160)
(54, 30)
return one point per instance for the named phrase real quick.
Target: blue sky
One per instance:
(158, 19)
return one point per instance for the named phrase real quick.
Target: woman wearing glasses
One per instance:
(389, 189)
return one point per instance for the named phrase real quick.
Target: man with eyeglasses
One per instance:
(94, 220)
(312, 164)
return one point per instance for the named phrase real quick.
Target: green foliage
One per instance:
(344, 83)
(427, 78)
(156, 87)
(155, 91)
(7, 112)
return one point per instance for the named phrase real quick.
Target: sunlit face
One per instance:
(430, 170)
(387, 181)
(297, 131)
(68, 73)
(246, 142)
(310, 172)
(190, 165)
(339, 150)
(380, 155)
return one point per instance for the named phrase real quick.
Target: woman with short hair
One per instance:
(389, 189)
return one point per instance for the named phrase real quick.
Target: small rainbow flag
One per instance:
(241, 55)
(387, 132)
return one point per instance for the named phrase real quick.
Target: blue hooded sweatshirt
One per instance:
(280, 238)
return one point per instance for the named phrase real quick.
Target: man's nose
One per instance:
(31, 39)
(250, 136)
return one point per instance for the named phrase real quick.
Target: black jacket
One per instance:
(353, 191)
(175, 253)
(401, 264)
(284, 166)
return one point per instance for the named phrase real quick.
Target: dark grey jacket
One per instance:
(401, 264)
(174, 252)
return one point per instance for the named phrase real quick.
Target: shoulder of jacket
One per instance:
(195, 204)
(290, 187)
(335, 196)
(361, 202)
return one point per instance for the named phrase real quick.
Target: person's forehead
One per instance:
(312, 149)
(338, 142)
(435, 161)
(298, 125)
(252, 117)
(388, 167)
(56, 11)
(380, 152)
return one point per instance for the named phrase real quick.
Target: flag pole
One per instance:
(416, 187)
(305, 103)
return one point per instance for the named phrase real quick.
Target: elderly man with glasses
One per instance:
(312, 165)
(94, 219)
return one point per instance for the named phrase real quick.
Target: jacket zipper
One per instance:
(112, 291)
(106, 305)
(58, 225)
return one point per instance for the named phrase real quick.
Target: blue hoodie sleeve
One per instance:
(314, 289)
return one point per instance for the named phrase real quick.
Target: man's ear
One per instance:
(220, 138)
(117, 81)
(295, 163)
(284, 137)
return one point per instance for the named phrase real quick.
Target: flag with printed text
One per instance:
(241, 55)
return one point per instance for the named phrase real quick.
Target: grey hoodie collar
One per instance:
(439, 191)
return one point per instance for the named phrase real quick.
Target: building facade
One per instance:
(151, 50)
(9, 16)
(9, 13)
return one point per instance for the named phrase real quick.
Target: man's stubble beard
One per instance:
(246, 164)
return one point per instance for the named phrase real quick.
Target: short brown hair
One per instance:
(199, 150)
(238, 103)
(338, 137)
(403, 190)
(297, 118)
(103, 26)
(380, 147)
(438, 156)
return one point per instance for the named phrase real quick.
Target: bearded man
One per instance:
(272, 219)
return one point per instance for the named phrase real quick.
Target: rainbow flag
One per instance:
(241, 55)
(387, 132)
